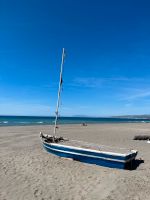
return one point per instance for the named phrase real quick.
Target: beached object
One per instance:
(142, 137)
(83, 151)
(84, 124)
(88, 153)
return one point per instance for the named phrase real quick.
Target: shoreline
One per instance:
(71, 124)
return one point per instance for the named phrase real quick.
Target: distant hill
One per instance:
(146, 116)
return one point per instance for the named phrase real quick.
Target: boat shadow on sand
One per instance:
(135, 164)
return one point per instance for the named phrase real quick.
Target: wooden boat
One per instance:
(82, 151)
(88, 153)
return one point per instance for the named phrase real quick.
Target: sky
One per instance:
(107, 64)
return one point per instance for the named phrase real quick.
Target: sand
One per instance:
(28, 172)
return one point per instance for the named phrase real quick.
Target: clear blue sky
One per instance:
(107, 68)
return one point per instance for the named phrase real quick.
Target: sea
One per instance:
(33, 120)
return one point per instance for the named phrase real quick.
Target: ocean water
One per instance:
(28, 120)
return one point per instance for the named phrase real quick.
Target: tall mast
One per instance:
(59, 90)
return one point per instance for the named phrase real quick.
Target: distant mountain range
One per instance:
(146, 116)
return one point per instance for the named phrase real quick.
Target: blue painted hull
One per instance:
(92, 157)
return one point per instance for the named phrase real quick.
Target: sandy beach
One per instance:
(29, 172)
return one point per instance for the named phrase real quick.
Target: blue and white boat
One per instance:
(82, 151)
(87, 153)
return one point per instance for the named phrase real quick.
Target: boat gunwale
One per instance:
(91, 156)
(92, 150)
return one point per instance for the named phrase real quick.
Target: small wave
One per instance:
(24, 122)
(5, 122)
(39, 122)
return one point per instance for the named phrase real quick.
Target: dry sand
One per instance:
(28, 172)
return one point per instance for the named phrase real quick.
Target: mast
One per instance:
(59, 89)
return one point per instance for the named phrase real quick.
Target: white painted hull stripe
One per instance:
(91, 156)
(92, 150)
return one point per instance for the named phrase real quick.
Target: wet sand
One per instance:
(28, 172)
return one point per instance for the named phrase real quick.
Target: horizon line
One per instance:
(77, 116)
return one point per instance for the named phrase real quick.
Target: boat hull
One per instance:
(120, 161)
